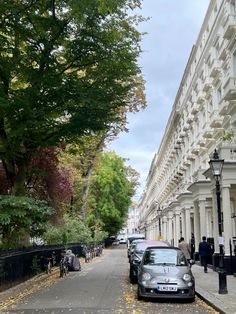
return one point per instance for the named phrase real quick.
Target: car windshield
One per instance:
(164, 257)
(141, 247)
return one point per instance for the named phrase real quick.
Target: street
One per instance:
(101, 287)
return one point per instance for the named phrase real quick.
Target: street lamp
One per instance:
(216, 165)
(159, 211)
(145, 230)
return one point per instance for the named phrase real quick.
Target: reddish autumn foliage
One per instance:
(48, 178)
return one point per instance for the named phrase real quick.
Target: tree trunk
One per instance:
(19, 188)
(88, 177)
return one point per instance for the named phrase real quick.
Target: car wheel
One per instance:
(131, 276)
(138, 294)
(191, 300)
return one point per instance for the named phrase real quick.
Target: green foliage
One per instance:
(35, 266)
(20, 215)
(73, 230)
(227, 136)
(67, 68)
(110, 194)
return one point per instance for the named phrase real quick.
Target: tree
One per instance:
(51, 180)
(67, 68)
(20, 217)
(110, 194)
(73, 230)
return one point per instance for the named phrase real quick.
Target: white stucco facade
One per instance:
(203, 119)
(133, 220)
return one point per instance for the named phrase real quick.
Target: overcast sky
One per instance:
(172, 30)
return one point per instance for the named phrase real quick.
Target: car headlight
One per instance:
(187, 277)
(146, 276)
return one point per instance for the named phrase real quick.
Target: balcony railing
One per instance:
(215, 68)
(230, 26)
(229, 89)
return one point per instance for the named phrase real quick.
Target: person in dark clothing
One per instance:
(204, 252)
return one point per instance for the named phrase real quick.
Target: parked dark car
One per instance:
(165, 273)
(137, 254)
(132, 246)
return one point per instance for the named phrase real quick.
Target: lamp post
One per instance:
(216, 165)
(159, 222)
(145, 230)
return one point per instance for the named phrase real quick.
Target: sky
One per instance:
(172, 30)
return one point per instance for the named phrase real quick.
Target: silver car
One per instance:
(164, 272)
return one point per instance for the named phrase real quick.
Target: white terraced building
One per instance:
(180, 196)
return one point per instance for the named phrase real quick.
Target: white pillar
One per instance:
(170, 228)
(177, 227)
(227, 226)
(196, 226)
(202, 211)
(183, 223)
(188, 225)
(164, 225)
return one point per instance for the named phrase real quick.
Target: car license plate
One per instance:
(166, 288)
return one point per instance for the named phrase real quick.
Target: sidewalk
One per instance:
(207, 286)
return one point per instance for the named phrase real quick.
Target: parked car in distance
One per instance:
(165, 273)
(134, 236)
(137, 254)
(116, 242)
(123, 241)
(132, 246)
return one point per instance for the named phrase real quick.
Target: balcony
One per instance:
(200, 97)
(223, 108)
(182, 134)
(179, 141)
(229, 88)
(207, 134)
(233, 119)
(216, 122)
(191, 157)
(202, 142)
(182, 168)
(230, 26)
(190, 119)
(207, 84)
(176, 146)
(195, 150)
(186, 127)
(215, 68)
(186, 162)
(194, 110)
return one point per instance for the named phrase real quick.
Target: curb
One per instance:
(206, 297)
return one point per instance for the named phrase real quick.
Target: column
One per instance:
(177, 227)
(227, 223)
(170, 227)
(164, 227)
(202, 210)
(188, 225)
(174, 230)
(183, 224)
(196, 226)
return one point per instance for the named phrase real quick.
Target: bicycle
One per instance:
(64, 266)
(49, 264)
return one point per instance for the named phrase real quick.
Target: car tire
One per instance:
(131, 276)
(191, 300)
(139, 297)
